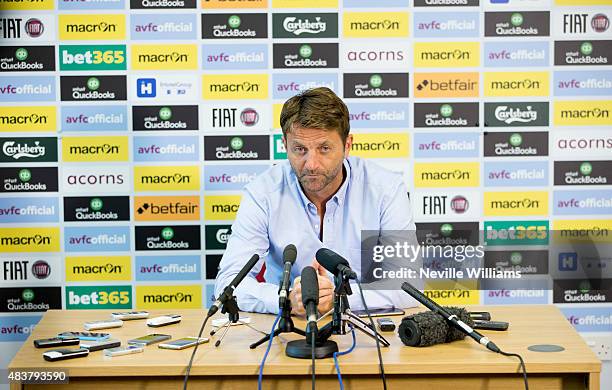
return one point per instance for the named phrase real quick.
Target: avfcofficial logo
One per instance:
(300, 27)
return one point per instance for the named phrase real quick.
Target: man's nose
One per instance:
(312, 162)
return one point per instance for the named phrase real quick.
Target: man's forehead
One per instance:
(308, 135)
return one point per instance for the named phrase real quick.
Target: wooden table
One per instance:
(458, 365)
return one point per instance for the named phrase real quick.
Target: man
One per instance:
(320, 197)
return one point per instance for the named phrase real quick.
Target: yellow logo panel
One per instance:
(583, 113)
(164, 57)
(221, 207)
(89, 26)
(235, 86)
(454, 293)
(167, 208)
(223, 4)
(447, 174)
(582, 2)
(304, 4)
(445, 85)
(38, 5)
(169, 297)
(446, 54)
(380, 145)
(375, 24)
(502, 204)
(95, 149)
(39, 239)
(582, 231)
(504, 84)
(164, 178)
(98, 268)
(276, 111)
(13, 119)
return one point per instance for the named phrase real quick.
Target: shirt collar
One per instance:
(338, 197)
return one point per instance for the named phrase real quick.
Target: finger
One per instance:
(318, 267)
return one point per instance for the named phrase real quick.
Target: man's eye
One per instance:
(325, 148)
(298, 149)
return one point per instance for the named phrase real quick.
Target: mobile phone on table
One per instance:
(130, 315)
(91, 336)
(379, 312)
(185, 342)
(100, 345)
(127, 350)
(149, 339)
(56, 342)
(63, 354)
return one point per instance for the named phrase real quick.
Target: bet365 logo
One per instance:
(99, 297)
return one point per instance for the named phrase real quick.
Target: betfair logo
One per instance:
(516, 84)
(516, 203)
(447, 175)
(380, 145)
(252, 86)
(375, 24)
(111, 27)
(158, 57)
(98, 268)
(583, 113)
(166, 178)
(167, 208)
(445, 85)
(29, 239)
(448, 54)
(76, 149)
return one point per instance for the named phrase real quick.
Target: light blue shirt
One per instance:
(275, 212)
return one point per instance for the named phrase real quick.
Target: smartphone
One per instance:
(104, 324)
(56, 342)
(130, 315)
(85, 335)
(183, 343)
(149, 339)
(99, 345)
(379, 312)
(127, 350)
(63, 354)
(385, 324)
(491, 325)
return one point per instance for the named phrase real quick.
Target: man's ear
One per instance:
(348, 144)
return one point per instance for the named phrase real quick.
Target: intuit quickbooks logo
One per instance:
(98, 297)
(583, 172)
(162, 4)
(93, 88)
(378, 85)
(223, 26)
(27, 58)
(96, 208)
(508, 24)
(32, 179)
(175, 237)
(591, 52)
(97, 239)
(446, 114)
(248, 147)
(30, 299)
(161, 118)
(509, 144)
(305, 55)
(168, 268)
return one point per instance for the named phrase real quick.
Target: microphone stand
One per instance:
(230, 307)
(285, 325)
(342, 314)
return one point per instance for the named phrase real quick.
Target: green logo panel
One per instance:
(92, 57)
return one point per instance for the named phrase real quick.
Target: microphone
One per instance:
(289, 255)
(228, 292)
(428, 328)
(310, 300)
(452, 319)
(335, 263)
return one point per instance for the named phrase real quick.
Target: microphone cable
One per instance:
(522, 364)
(380, 361)
(312, 353)
(193, 353)
(336, 354)
(265, 356)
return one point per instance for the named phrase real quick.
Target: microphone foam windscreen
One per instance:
(330, 259)
(290, 253)
(428, 328)
(310, 286)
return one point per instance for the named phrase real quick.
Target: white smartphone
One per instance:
(127, 350)
(149, 339)
(93, 346)
(104, 324)
(130, 315)
(183, 343)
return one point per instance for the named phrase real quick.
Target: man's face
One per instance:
(316, 157)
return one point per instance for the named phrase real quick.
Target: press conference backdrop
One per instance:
(129, 127)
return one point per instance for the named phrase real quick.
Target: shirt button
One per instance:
(316, 226)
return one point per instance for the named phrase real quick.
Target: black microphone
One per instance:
(310, 300)
(452, 319)
(228, 292)
(428, 328)
(335, 263)
(289, 255)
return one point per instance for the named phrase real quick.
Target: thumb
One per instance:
(319, 268)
